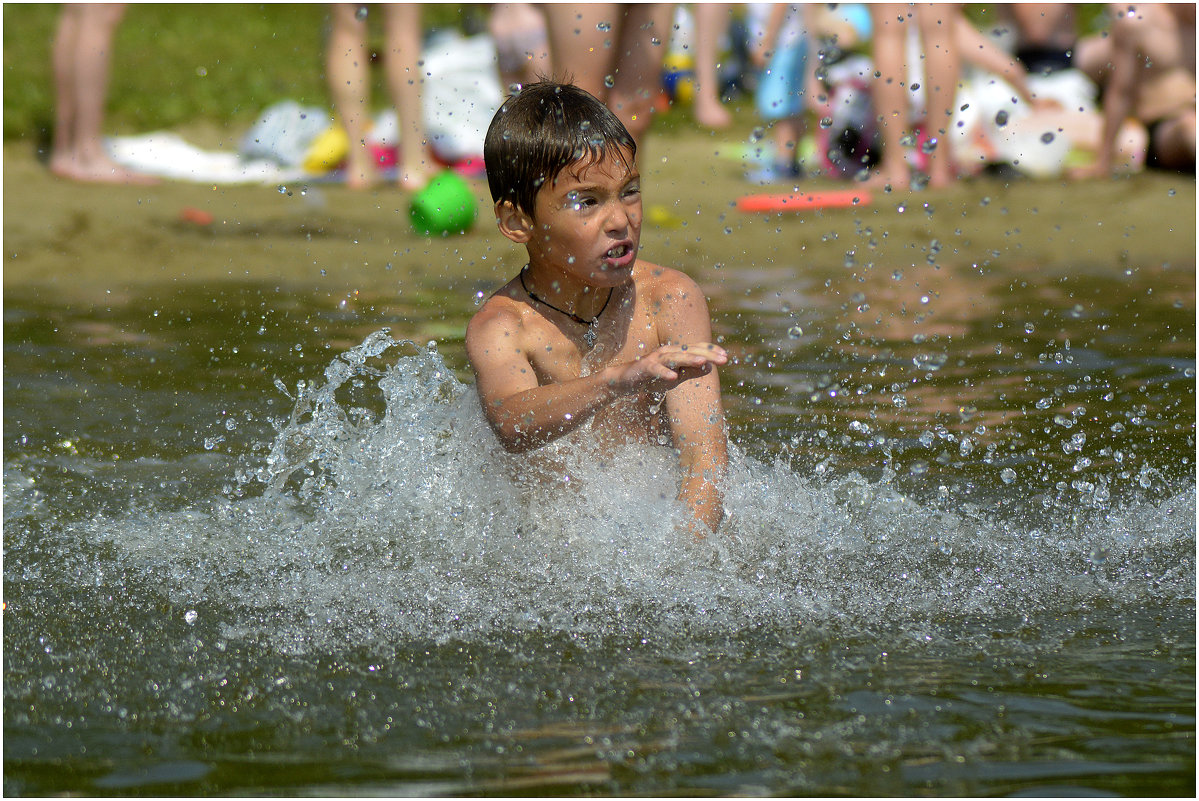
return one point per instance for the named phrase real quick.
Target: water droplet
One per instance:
(514, 89)
(362, 12)
(1097, 556)
(190, 616)
(756, 135)
(603, 26)
(918, 468)
(609, 81)
(915, 87)
(826, 122)
(1001, 119)
(929, 146)
(1007, 475)
(1047, 137)
(795, 332)
(478, 298)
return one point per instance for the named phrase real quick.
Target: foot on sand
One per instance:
(99, 171)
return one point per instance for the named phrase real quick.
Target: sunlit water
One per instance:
(255, 543)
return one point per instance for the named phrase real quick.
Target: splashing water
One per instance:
(384, 511)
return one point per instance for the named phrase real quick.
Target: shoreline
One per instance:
(83, 241)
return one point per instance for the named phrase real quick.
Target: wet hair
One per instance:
(543, 129)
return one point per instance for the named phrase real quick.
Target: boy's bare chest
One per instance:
(560, 352)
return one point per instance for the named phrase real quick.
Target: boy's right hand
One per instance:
(670, 365)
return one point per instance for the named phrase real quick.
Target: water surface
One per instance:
(255, 544)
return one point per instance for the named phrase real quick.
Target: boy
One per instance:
(586, 330)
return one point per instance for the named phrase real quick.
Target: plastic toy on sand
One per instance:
(803, 201)
(447, 205)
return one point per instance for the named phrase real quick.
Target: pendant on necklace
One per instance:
(590, 334)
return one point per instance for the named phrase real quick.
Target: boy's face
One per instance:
(587, 223)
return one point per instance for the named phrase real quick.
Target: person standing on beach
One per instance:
(614, 52)
(1151, 79)
(82, 60)
(348, 72)
(935, 23)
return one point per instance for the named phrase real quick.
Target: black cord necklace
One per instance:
(591, 333)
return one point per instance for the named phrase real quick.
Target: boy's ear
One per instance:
(513, 223)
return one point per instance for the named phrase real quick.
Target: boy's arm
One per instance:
(694, 408)
(526, 415)
(523, 414)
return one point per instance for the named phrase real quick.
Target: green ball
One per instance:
(446, 205)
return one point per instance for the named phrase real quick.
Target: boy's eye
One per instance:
(577, 201)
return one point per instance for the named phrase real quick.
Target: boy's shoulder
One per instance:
(661, 283)
(672, 292)
(502, 311)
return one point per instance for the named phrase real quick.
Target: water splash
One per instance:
(383, 511)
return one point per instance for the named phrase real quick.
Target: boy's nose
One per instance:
(620, 218)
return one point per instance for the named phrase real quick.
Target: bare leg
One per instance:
(520, 38)
(613, 51)
(889, 91)
(348, 72)
(81, 60)
(403, 35)
(709, 111)
(582, 38)
(638, 64)
(942, 66)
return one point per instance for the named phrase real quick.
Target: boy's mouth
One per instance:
(617, 255)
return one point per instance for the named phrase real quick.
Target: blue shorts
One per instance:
(780, 86)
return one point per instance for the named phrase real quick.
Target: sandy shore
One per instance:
(81, 241)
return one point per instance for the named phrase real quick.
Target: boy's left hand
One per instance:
(671, 365)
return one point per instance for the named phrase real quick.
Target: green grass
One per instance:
(175, 64)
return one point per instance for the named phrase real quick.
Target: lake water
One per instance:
(252, 544)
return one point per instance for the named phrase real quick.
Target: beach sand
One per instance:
(85, 242)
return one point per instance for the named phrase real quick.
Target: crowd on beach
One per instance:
(897, 95)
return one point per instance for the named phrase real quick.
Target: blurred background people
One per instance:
(614, 51)
(521, 43)
(1151, 79)
(784, 84)
(348, 72)
(934, 27)
(82, 58)
(711, 22)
